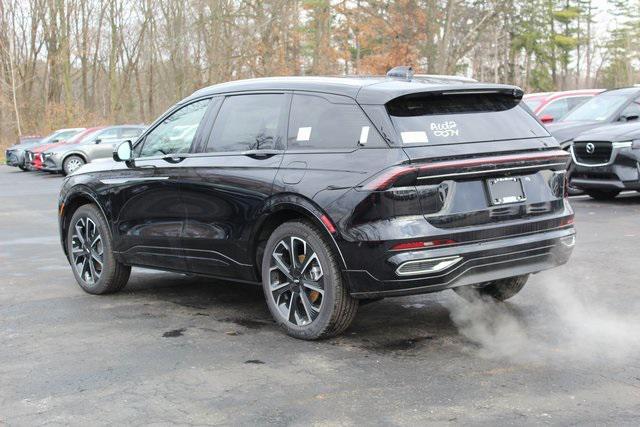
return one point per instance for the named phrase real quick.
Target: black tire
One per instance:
(336, 309)
(23, 168)
(603, 194)
(112, 276)
(499, 290)
(70, 164)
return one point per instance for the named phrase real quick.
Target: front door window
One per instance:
(175, 134)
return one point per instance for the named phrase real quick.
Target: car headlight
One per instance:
(566, 145)
(624, 144)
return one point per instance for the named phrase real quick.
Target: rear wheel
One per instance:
(72, 163)
(500, 290)
(603, 194)
(90, 251)
(23, 167)
(302, 283)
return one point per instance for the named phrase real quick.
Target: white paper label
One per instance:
(419, 137)
(364, 134)
(304, 134)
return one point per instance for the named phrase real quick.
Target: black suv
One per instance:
(328, 191)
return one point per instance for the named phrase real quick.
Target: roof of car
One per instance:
(629, 91)
(565, 93)
(366, 90)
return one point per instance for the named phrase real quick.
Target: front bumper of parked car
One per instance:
(620, 172)
(52, 162)
(14, 157)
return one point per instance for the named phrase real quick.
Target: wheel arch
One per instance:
(80, 154)
(72, 202)
(285, 209)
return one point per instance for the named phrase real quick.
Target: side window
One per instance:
(247, 122)
(632, 109)
(574, 101)
(108, 134)
(555, 109)
(175, 134)
(316, 123)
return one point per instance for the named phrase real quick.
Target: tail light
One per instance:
(406, 175)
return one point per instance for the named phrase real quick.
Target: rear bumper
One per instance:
(480, 262)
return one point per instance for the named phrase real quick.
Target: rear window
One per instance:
(436, 119)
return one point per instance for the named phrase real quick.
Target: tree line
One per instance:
(84, 62)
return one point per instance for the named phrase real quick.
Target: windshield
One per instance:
(77, 138)
(435, 119)
(532, 103)
(88, 137)
(599, 108)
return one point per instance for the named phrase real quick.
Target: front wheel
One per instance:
(500, 290)
(302, 283)
(603, 194)
(71, 164)
(90, 251)
(23, 167)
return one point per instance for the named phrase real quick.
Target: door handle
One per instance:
(173, 159)
(261, 154)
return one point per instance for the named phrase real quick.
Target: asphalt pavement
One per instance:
(176, 349)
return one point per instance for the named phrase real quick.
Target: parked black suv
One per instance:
(328, 191)
(607, 160)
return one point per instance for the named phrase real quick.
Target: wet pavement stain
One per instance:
(247, 323)
(254, 362)
(174, 333)
(399, 345)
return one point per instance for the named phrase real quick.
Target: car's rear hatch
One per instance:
(477, 159)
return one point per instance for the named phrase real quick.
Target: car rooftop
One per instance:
(623, 91)
(367, 90)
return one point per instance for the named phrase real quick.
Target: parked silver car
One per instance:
(96, 145)
(15, 155)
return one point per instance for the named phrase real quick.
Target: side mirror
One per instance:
(629, 118)
(97, 141)
(124, 153)
(546, 118)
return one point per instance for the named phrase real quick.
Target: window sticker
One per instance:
(419, 137)
(304, 134)
(445, 129)
(364, 134)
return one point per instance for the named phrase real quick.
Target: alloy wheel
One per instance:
(73, 164)
(87, 250)
(296, 281)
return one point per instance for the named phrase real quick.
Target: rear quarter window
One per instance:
(437, 119)
(317, 123)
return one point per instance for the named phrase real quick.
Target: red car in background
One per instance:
(36, 163)
(552, 106)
